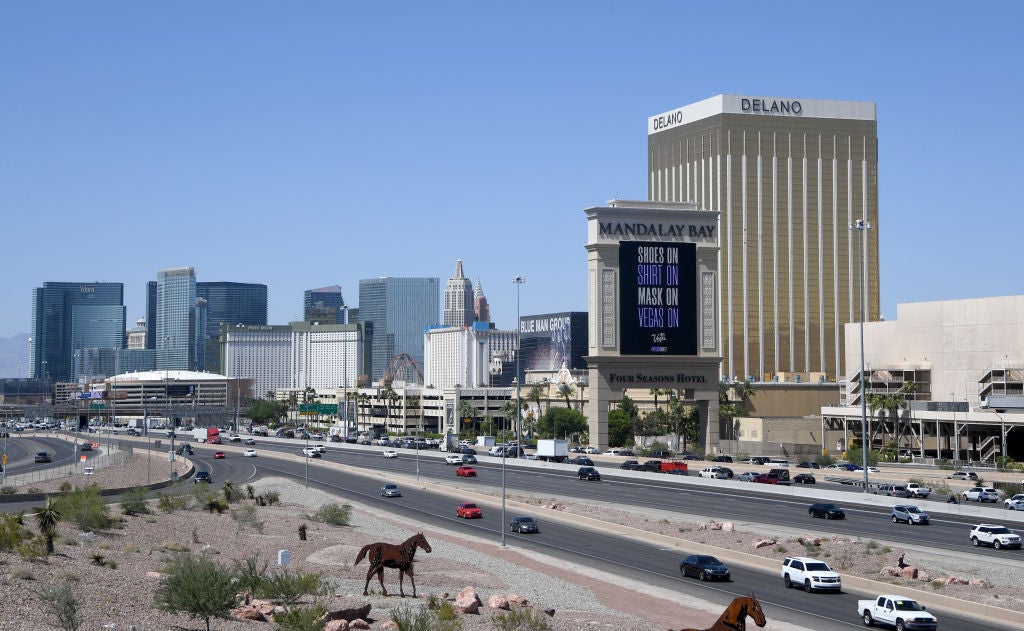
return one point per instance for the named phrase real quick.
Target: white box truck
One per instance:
(485, 441)
(552, 449)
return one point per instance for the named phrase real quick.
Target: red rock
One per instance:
(890, 570)
(359, 623)
(390, 624)
(497, 601)
(248, 612)
(809, 539)
(517, 600)
(468, 601)
(764, 543)
(337, 625)
(909, 572)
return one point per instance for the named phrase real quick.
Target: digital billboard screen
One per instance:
(657, 298)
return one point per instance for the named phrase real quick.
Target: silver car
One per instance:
(910, 514)
(390, 490)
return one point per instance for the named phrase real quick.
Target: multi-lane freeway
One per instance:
(434, 506)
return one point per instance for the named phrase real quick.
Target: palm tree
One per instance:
(466, 411)
(566, 391)
(535, 394)
(47, 518)
(361, 399)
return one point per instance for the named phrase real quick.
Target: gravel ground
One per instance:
(581, 599)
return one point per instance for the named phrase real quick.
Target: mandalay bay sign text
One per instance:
(657, 298)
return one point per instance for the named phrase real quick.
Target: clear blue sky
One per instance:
(303, 144)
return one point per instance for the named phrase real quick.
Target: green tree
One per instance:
(567, 392)
(263, 412)
(620, 428)
(561, 422)
(197, 587)
(48, 516)
(467, 413)
(653, 423)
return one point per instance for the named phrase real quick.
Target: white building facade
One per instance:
(468, 357)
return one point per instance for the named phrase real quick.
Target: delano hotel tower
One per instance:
(789, 176)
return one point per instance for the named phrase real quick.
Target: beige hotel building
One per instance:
(789, 176)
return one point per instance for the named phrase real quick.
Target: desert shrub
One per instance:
(216, 504)
(133, 502)
(170, 502)
(196, 587)
(301, 619)
(13, 530)
(8, 490)
(287, 587)
(84, 507)
(230, 492)
(60, 602)
(32, 548)
(332, 514)
(250, 573)
(246, 516)
(407, 618)
(520, 618)
(250, 491)
(825, 460)
(1006, 489)
(271, 497)
(176, 547)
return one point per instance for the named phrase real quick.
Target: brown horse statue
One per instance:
(382, 555)
(735, 616)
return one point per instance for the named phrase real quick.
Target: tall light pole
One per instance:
(518, 280)
(861, 226)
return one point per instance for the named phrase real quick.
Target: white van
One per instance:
(613, 452)
(777, 462)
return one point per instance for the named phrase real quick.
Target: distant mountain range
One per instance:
(14, 352)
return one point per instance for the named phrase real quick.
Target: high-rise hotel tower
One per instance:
(790, 177)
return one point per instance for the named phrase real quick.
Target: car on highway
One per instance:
(581, 460)
(994, 535)
(964, 475)
(85, 447)
(1015, 503)
(249, 453)
(184, 450)
(202, 476)
(713, 472)
(234, 438)
(980, 494)
(389, 453)
(469, 510)
(465, 471)
(705, 567)
(808, 465)
(908, 513)
(905, 614)
(249, 441)
(309, 452)
(629, 465)
(320, 448)
(453, 459)
(892, 490)
(468, 459)
(765, 478)
(826, 510)
(591, 450)
(811, 574)
(43, 456)
(524, 524)
(722, 458)
(390, 490)
(747, 476)
(804, 478)
(469, 451)
(588, 473)
(219, 455)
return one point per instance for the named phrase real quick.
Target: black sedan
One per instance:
(804, 478)
(704, 567)
(524, 524)
(581, 460)
(588, 473)
(828, 511)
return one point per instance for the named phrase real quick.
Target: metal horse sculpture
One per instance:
(735, 616)
(400, 556)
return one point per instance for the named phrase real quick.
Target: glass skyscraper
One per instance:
(231, 303)
(400, 310)
(175, 304)
(68, 317)
(325, 305)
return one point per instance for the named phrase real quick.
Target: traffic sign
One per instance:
(97, 406)
(328, 408)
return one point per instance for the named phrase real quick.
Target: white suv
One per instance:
(981, 494)
(811, 574)
(994, 535)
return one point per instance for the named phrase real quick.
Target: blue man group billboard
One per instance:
(657, 298)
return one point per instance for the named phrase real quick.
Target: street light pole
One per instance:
(861, 226)
(518, 280)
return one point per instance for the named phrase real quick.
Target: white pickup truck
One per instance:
(906, 614)
(916, 490)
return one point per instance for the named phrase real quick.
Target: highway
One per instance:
(619, 556)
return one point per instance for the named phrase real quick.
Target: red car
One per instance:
(764, 478)
(469, 510)
(219, 455)
(464, 471)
